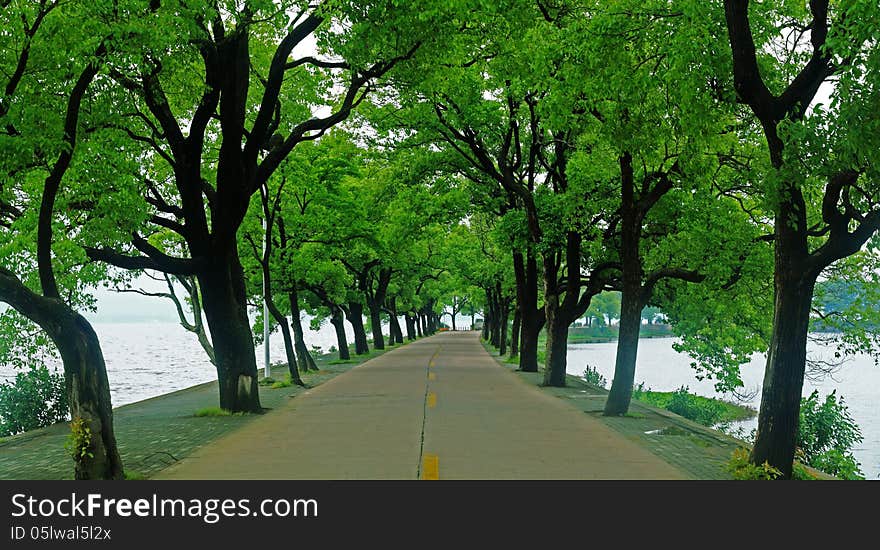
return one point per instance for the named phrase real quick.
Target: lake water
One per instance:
(154, 358)
(150, 359)
(661, 368)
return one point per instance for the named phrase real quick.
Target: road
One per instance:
(438, 408)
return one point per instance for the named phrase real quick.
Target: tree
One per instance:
(249, 102)
(41, 110)
(821, 180)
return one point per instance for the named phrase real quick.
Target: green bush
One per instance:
(594, 377)
(35, 399)
(707, 412)
(826, 436)
(741, 468)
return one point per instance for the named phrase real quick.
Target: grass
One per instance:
(214, 411)
(286, 383)
(134, 475)
(342, 361)
(705, 410)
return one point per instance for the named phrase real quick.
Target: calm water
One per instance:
(149, 359)
(661, 368)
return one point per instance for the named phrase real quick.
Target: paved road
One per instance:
(439, 408)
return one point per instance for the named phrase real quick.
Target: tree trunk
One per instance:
(620, 394)
(356, 319)
(410, 327)
(225, 306)
(292, 363)
(453, 321)
(88, 391)
(527, 295)
(341, 340)
(784, 375)
(514, 332)
(417, 321)
(557, 344)
(376, 326)
(631, 302)
(304, 357)
(561, 313)
(395, 335)
(505, 313)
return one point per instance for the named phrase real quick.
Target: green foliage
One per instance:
(286, 383)
(79, 440)
(741, 468)
(707, 411)
(827, 434)
(594, 377)
(34, 399)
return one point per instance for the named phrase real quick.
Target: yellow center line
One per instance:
(432, 376)
(431, 467)
(432, 400)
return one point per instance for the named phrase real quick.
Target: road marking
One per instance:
(431, 467)
(432, 376)
(432, 400)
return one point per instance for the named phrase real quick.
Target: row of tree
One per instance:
(377, 158)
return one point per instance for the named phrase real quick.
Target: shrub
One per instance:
(34, 399)
(594, 377)
(740, 467)
(707, 412)
(79, 440)
(826, 436)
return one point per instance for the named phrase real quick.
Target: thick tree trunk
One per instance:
(786, 360)
(784, 379)
(376, 326)
(356, 319)
(495, 337)
(561, 313)
(620, 394)
(417, 321)
(395, 335)
(338, 323)
(88, 391)
(225, 306)
(557, 345)
(410, 327)
(631, 302)
(304, 357)
(502, 340)
(514, 332)
(453, 321)
(526, 270)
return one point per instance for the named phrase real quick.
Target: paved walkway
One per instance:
(439, 408)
